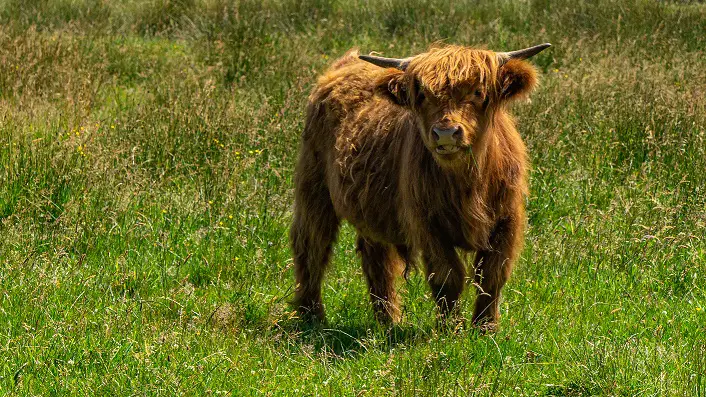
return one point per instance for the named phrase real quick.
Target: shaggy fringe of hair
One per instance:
(451, 66)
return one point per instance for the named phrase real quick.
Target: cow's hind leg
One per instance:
(313, 232)
(382, 265)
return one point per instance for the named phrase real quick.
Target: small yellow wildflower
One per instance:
(230, 216)
(249, 151)
(112, 127)
(237, 153)
(164, 211)
(210, 202)
(220, 223)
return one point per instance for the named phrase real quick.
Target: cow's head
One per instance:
(453, 92)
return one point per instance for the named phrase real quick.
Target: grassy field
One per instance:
(146, 157)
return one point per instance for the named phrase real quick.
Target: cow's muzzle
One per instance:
(447, 139)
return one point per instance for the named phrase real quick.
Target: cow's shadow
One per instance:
(336, 341)
(345, 340)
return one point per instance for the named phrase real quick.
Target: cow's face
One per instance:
(451, 123)
(453, 92)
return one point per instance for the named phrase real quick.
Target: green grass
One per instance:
(146, 157)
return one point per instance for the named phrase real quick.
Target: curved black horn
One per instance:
(396, 63)
(522, 54)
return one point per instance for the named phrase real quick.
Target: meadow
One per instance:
(146, 159)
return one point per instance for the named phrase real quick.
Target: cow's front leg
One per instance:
(381, 265)
(446, 276)
(492, 270)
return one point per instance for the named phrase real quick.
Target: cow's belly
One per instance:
(375, 225)
(368, 201)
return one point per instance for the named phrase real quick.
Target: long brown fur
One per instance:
(366, 156)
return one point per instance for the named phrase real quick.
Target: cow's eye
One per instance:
(478, 94)
(420, 92)
(420, 96)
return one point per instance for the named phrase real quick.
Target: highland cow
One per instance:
(421, 156)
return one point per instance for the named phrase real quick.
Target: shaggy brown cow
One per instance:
(420, 155)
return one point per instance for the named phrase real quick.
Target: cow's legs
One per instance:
(313, 232)
(492, 269)
(381, 265)
(446, 276)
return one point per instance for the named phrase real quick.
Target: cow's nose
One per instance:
(446, 136)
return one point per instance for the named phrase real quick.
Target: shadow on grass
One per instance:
(338, 341)
(349, 340)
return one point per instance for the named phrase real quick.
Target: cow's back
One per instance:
(357, 139)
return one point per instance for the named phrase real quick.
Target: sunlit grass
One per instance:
(146, 157)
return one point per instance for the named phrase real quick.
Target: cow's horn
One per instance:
(396, 63)
(522, 54)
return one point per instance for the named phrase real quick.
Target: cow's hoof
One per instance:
(488, 327)
(388, 315)
(312, 315)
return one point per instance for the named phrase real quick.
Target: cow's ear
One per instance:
(393, 85)
(516, 79)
